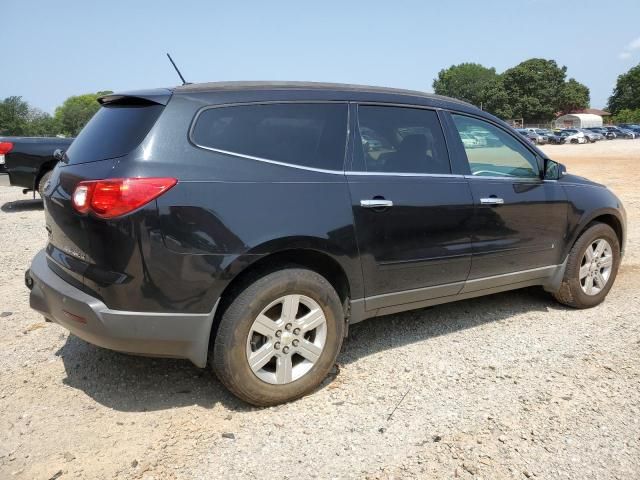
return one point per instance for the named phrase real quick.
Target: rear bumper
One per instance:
(145, 333)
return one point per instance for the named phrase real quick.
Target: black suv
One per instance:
(246, 225)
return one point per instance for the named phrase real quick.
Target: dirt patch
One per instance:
(507, 386)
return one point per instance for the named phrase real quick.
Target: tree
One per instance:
(627, 116)
(14, 116)
(41, 124)
(76, 111)
(626, 94)
(575, 96)
(476, 84)
(535, 88)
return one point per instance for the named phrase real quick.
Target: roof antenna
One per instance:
(184, 82)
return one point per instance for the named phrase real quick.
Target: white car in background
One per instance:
(573, 136)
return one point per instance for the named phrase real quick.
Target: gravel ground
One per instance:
(507, 386)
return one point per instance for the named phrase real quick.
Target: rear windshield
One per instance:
(309, 135)
(113, 132)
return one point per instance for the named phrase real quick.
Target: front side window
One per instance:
(400, 139)
(493, 152)
(304, 134)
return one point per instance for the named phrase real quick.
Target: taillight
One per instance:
(114, 197)
(5, 147)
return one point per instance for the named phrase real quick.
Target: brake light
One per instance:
(5, 147)
(114, 197)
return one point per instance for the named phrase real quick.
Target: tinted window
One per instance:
(114, 131)
(398, 139)
(310, 135)
(493, 152)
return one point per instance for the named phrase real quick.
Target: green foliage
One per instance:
(14, 116)
(465, 82)
(627, 115)
(475, 84)
(535, 88)
(626, 94)
(575, 96)
(76, 111)
(18, 119)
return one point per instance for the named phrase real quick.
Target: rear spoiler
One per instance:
(159, 96)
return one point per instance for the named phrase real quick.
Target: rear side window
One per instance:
(305, 134)
(400, 139)
(114, 131)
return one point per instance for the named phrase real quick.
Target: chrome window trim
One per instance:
(507, 179)
(266, 160)
(405, 174)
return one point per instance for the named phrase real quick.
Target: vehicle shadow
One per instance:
(22, 206)
(131, 383)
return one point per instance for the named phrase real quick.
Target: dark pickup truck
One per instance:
(29, 160)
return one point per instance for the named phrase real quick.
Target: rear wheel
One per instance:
(43, 182)
(592, 267)
(279, 338)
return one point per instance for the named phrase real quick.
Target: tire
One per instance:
(233, 344)
(574, 141)
(43, 181)
(571, 292)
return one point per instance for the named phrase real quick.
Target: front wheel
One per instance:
(591, 269)
(279, 337)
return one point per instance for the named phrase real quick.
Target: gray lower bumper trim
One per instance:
(179, 335)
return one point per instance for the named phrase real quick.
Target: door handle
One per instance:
(491, 201)
(376, 203)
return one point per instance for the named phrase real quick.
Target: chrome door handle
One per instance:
(491, 201)
(376, 203)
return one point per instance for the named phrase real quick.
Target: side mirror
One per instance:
(58, 154)
(562, 171)
(554, 170)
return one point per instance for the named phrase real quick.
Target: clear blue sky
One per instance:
(50, 50)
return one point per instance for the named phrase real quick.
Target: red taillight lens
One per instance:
(5, 147)
(118, 196)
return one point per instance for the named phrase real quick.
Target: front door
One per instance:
(521, 219)
(412, 216)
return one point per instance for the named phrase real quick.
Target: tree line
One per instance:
(18, 118)
(536, 90)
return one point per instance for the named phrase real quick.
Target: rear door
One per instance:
(520, 222)
(412, 215)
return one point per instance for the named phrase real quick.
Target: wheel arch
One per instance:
(608, 217)
(318, 261)
(44, 168)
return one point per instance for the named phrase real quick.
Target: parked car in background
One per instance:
(621, 132)
(534, 136)
(29, 160)
(591, 137)
(542, 133)
(631, 126)
(602, 131)
(244, 226)
(571, 135)
(555, 138)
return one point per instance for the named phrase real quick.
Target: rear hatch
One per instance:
(81, 245)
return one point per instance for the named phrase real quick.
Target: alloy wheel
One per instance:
(596, 267)
(286, 339)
